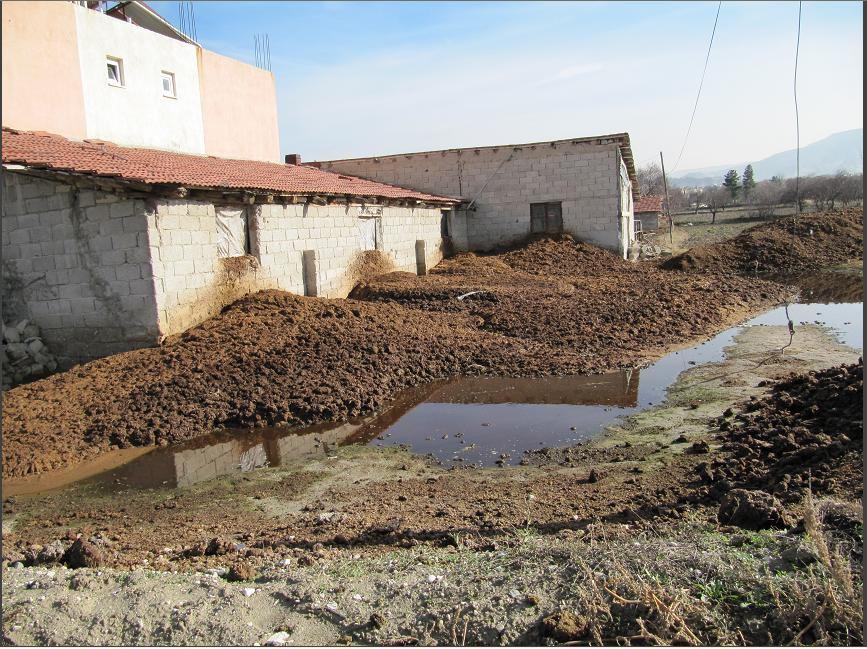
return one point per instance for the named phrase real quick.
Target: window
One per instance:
(114, 70)
(546, 217)
(168, 84)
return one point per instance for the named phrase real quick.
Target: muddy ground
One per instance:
(794, 244)
(375, 546)
(551, 308)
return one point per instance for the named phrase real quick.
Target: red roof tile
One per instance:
(648, 204)
(150, 166)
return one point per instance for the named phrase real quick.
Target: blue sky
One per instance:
(363, 78)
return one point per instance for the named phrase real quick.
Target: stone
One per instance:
(564, 626)
(83, 554)
(752, 510)
(277, 640)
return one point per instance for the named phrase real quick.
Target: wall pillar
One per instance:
(420, 257)
(310, 275)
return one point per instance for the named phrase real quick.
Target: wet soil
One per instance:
(788, 245)
(276, 359)
(369, 499)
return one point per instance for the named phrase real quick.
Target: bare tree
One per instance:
(715, 198)
(649, 178)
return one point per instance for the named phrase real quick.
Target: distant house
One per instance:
(581, 186)
(649, 212)
(127, 76)
(108, 248)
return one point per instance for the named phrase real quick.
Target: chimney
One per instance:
(293, 159)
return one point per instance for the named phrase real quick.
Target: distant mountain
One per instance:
(840, 151)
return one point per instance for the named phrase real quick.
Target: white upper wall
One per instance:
(138, 114)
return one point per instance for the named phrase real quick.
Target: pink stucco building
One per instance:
(127, 76)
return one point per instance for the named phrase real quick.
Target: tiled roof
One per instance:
(648, 204)
(53, 152)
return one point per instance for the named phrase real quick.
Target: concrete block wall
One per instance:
(76, 263)
(100, 273)
(504, 181)
(193, 283)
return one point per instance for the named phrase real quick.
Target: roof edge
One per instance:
(624, 137)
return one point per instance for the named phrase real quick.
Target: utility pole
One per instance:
(667, 202)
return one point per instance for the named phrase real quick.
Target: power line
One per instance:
(797, 122)
(701, 83)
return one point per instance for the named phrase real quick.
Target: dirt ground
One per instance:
(785, 246)
(278, 359)
(375, 546)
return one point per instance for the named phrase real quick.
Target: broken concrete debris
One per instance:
(25, 355)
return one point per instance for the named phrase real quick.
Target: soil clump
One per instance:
(787, 245)
(807, 434)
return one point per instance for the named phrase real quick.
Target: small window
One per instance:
(168, 84)
(546, 217)
(114, 70)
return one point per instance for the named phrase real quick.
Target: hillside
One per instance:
(843, 150)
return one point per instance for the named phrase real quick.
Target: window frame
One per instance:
(546, 213)
(117, 62)
(164, 74)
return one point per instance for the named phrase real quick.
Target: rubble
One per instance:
(25, 356)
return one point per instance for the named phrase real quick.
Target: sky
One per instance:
(362, 78)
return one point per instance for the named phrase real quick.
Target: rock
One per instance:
(51, 553)
(594, 476)
(752, 510)
(35, 346)
(277, 640)
(240, 572)
(681, 439)
(83, 554)
(11, 334)
(377, 621)
(564, 626)
(799, 554)
(218, 546)
(700, 446)
(247, 592)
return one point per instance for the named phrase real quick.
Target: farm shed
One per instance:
(649, 212)
(109, 248)
(582, 186)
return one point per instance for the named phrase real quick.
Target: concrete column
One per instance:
(420, 257)
(309, 273)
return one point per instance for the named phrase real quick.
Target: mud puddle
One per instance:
(464, 422)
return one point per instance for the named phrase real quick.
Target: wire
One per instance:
(701, 83)
(797, 122)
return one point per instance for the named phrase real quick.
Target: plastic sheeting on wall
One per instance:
(367, 234)
(231, 231)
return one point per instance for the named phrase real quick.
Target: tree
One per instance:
(749, 181)
(649, 178)
(715, 198)
(732, 182)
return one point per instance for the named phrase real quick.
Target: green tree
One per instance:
(749, 181)
(732, 182)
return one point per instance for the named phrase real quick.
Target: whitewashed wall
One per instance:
(193, 283)
(505, 181)
(101, 274)
(138, 114)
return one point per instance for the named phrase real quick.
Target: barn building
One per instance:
(106, 248)
(581, 186)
